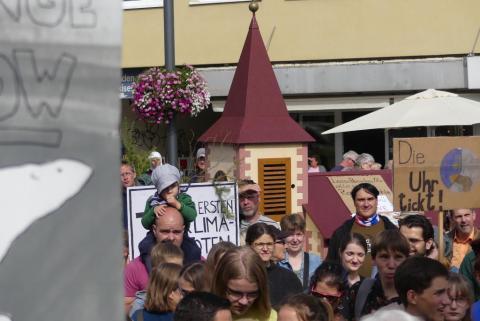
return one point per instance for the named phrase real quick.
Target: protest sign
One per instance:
(344, 185)
(436, 173)
(217, 218)
(60, 208)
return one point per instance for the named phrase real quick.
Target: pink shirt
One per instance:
(135, 277)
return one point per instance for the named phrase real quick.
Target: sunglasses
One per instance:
(332, 299)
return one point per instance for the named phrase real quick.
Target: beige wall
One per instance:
(305, 30)
(275, 151)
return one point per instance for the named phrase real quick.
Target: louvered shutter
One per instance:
(274, 179)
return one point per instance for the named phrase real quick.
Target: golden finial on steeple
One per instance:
(253, 6)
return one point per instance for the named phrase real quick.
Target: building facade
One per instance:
(334, 60)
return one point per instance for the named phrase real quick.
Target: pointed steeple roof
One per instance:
(255, 111)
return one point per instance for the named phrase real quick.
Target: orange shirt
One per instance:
(460, 249)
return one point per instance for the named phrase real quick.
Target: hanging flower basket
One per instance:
(158, 94)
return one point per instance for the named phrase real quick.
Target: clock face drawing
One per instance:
(460, 170)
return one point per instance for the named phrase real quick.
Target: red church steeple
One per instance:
(255, 111)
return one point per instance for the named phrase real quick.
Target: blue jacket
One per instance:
(314, 261)
(191, 251)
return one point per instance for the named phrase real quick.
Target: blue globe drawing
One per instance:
(451, 166)
(460, 170)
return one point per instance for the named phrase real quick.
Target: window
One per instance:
(193, 2)
(138, 4)
(274, 180)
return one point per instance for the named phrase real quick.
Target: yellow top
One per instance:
(252, 317)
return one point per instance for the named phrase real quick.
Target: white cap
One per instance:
(154, 155)
(201, 152)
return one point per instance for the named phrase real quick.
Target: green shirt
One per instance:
(187, 209)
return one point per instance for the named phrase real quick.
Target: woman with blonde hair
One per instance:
(163, 294)
(241, 278)
(461, 298)
(192, 278)
(214, 256)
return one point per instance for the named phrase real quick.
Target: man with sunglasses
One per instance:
(249, 199)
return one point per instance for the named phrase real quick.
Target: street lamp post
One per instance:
(169, 41)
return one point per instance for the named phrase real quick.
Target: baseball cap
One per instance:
(164, 176)
(201, 152)
(248, 185)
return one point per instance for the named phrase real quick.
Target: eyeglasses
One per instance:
(460, 301)
(332, 299)
(260, 246)
(237, 295)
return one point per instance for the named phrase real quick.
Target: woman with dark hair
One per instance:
(304, 307)
(389, 249)
(241, 278)
(163, 294)
(282, 282)
(327, 284)
(353, 249)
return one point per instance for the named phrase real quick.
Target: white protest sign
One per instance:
(211, 225)
(384, 204)
(59, 140)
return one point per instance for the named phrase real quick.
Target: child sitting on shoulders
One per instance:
(166, 180)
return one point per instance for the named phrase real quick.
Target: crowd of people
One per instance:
(351, 160)
(374, 268)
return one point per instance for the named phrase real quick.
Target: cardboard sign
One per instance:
(344, 185)
(436, 173)
(217, 218)
(60, 208)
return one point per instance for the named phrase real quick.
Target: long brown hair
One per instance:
(243, 263)
(462, 289)
(214, 256)
(163, 281)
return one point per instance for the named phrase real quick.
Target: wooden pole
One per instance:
(441, 245)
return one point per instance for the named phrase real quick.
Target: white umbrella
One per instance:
(428, 108)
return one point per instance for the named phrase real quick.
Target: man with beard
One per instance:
(249, 198)
(419, 232)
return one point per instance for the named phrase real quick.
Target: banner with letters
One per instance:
(217, 214)
(60, 196)
(436, 173)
